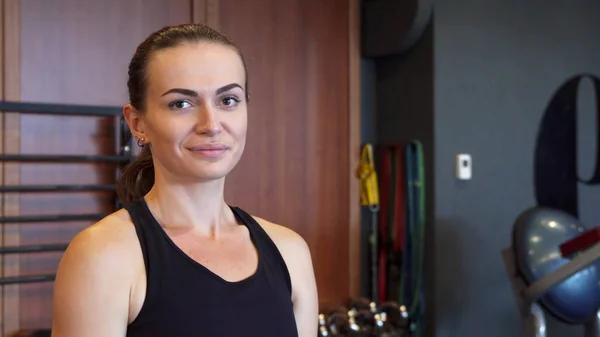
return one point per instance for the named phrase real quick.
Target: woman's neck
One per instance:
(199, 205)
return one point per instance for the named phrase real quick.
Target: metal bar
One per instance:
(517, 283)
(51, 218)
(535, 322)
(33, 333)
(56, 188)
(63, 158)
(565, 271)
(33, 249)
(27, 279)
(60, 109)
(592, 327)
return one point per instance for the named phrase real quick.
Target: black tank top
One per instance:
(185, 299)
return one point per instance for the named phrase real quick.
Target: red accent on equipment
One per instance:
(582, 242)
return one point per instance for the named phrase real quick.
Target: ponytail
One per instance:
(137, 178)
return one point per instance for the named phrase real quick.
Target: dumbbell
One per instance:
(361, 303)
(337, 322)
(362, 317)
(394, 318)
(323, 331)
(384, 328)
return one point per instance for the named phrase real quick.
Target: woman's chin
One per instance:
(210, 172)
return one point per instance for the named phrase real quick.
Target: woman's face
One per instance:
(196, 112)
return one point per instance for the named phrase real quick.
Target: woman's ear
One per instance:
(135, 122)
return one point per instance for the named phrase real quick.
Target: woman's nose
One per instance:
(207, 122)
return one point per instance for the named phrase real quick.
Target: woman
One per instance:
(177, 260)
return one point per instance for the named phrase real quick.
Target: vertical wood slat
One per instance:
(199, 11)
(354, 146)
(212, 14)
(206, 12)
(11, 145)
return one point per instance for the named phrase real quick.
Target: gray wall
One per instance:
(493, 66)
(497, 63)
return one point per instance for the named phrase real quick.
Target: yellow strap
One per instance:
(369, 192)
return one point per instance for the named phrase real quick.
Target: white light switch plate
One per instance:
(464, 166)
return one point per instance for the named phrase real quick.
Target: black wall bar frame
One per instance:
(123, 155)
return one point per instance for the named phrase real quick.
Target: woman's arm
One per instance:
(91, 291)
(298, 260)
(304, 288)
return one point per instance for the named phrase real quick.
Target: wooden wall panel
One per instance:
(354, 143)
(74, 52)
(297, 167)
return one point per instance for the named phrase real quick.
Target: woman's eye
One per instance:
(230, 101)
(180, 105)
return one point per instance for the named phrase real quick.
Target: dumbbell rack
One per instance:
(123, 155)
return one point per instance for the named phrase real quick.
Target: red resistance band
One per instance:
(391, 228)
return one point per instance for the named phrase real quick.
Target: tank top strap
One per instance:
(275, 262)
(151, 245)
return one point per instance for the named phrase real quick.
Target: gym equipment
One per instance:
(412, 263)
(402, 228)
(123, 155)
(369, 197)
(34, 333)
(362, 322)
(323, 330)
(364, 318)
(395, 315)
(360, 303)
(60, 109)
(27, 279)
(32, 249)
(57, 188)
(43, 158)
(553, 265)
(52, 218)
(336, 323)
(392, 223)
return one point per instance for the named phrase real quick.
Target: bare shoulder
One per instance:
(288, 241)
(101, 259)
(108, 245)
(110, 237)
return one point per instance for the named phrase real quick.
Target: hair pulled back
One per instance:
(137, 178)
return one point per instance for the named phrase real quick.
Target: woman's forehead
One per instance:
(199, 66)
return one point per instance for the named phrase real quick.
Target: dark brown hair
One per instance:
(137, 178)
